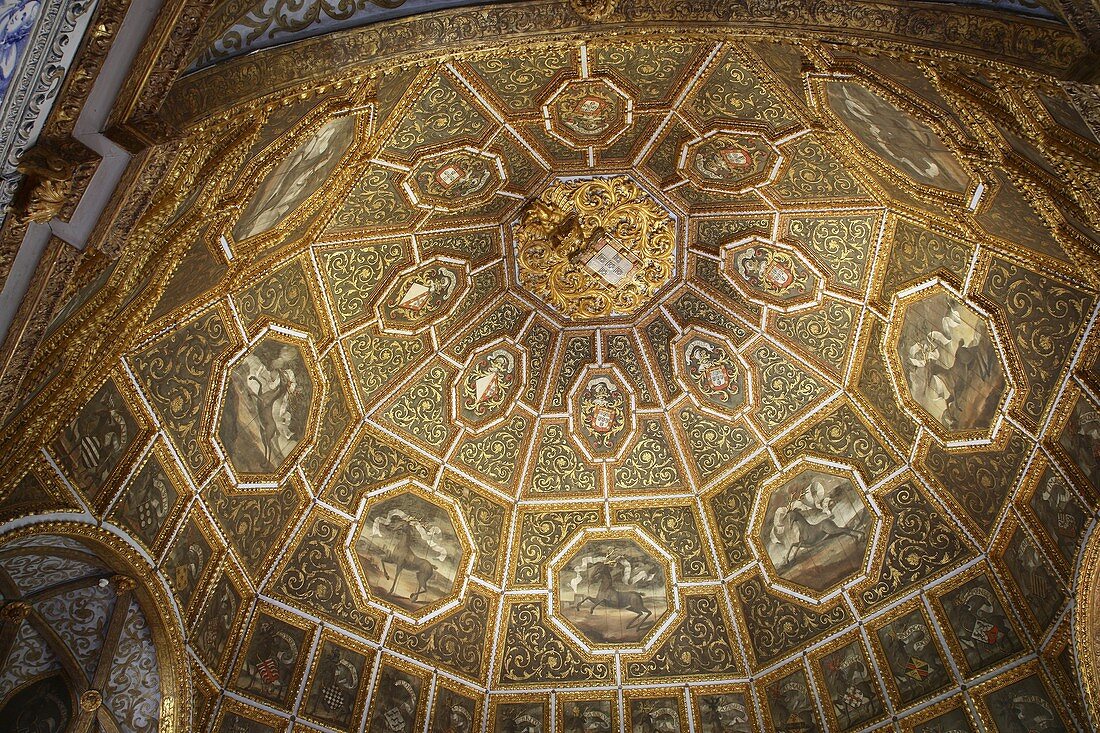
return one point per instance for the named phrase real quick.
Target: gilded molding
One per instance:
(167, 633)
(1086, 624)
(949, 30)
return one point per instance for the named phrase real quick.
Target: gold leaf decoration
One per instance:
(733, 92)
(842, 243)
(714, 445)
(650, 465)
(495, 455)
(558, 468)
(443, 113)
(420, 411)
(578, 351)
(1044, 318)
(980, 482)
(841, 433)
(376, 359)
(730, 509)
(814, 173)
(698, 647)
(541, 534)
(488, 520)
(455, 641)
(574, 224)
(777, 626)
(285, 297)
(676, 528)
(534, 654)
(176, 372)
(784, 389)
(313, 577)
(356, 275)
(922, 544)
(371, 463)
(824, 332)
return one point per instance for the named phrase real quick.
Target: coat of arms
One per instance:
(722, 163)
(770, 270)
(713, 371)
(595, 248)
(587, 115)
(456, 179)
(425, 292)
(487, 384)
(603, 412)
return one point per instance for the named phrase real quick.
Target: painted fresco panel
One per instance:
(295, 178)
(409, 551)
(908, 144)
(950, 362)
(612, 591)
(267, 407)
(815, 529)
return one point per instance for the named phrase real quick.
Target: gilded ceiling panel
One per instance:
(736, 385)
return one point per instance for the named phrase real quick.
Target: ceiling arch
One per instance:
(654, 380)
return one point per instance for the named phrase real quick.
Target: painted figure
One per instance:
(606, 576)
(910, 145)
(815, 529)
(950, 363)
(295, 178)
(266, 407)
(408, 551)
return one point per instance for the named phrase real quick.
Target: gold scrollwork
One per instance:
(595, 247)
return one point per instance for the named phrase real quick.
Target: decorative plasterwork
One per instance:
(32, 72)
(240, 27)
(514, 439)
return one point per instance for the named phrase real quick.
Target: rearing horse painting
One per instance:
(604, 576)
(815, 529)
(409, 551)
(612, 590)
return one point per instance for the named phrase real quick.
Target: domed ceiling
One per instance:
(642, 384)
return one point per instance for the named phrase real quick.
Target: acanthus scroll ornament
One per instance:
(594, 248)
(594, 11)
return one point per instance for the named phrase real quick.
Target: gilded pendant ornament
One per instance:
(595, 248)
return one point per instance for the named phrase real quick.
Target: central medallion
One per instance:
(595, 247)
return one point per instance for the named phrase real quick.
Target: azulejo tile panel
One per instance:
(702, 370)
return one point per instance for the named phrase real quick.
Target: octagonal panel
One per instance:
(730, 162)
(946, 364)
(423, 295)
(713, 371)
(412, 551)
(595, 247)
(611, 590)
(485, 389)
(586, 112)
(454, 180)
(813, 528)
(267, 411)
(772, 274)
(602, 414)
(907, 144)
